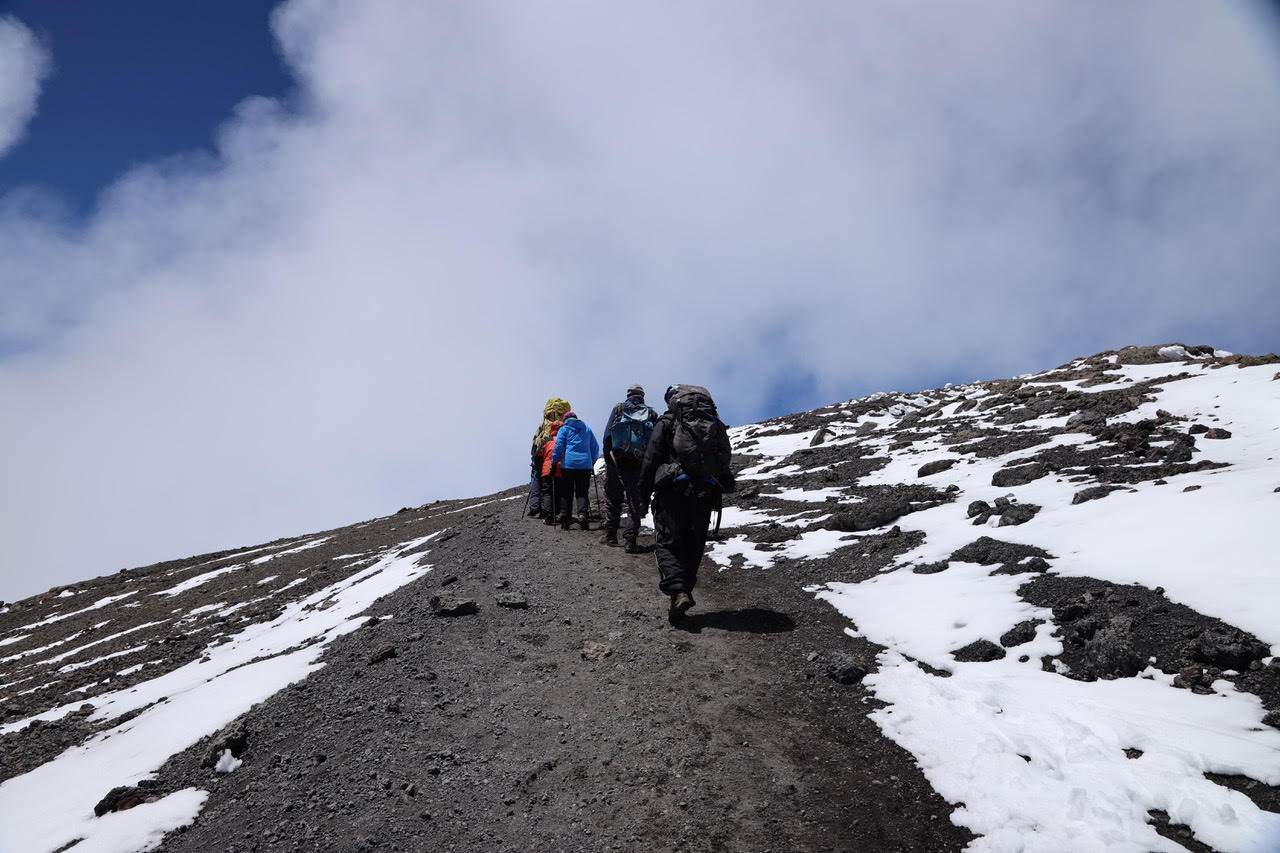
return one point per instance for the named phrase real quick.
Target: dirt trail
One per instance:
(492, 731)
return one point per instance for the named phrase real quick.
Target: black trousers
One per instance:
(535, 487)
(680, 524)
(550, 494)
(622, 487)
(574, 486)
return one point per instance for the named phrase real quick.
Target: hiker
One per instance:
(552, 412)
(625, 439)
(685, 472)
(576, 450)
(550, 474)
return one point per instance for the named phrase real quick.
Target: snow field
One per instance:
(51, 806)
(1039, 761)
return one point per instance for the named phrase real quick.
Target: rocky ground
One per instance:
(566, 714)
(563, 713)
(528, 693)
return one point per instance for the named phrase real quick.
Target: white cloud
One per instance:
(24, 64)
(363, 301)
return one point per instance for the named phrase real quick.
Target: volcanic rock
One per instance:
(386, 651)
(982, 651)
(120, 799)
(844, 668)
(1023, 632)
(935, 467)
(1019, 475)
(450, 605)
(234, 736)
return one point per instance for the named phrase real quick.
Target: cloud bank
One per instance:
(363, 299)
(24, 64)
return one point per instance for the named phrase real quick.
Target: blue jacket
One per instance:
(576, 445)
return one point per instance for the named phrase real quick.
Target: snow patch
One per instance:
(52, 805)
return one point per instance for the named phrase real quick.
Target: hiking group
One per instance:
(678, 462)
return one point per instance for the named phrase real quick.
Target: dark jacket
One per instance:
(659, 463)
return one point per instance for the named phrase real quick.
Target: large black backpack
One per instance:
(699, 438)
(629, 433)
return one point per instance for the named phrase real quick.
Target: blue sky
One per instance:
(135, 81)
(270, 268)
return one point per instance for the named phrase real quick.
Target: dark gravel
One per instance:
(495, 731)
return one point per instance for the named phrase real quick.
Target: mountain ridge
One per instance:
(838, 506)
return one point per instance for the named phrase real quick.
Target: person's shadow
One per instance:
(752, 620)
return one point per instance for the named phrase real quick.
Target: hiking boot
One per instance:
(632, 547)
(680, 602)
(584, 523)
(610, 538)
(549, 519)
(564, 523)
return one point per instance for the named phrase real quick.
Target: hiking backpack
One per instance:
(629, 433)
(699, 438)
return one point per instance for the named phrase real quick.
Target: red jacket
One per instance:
(544, 452)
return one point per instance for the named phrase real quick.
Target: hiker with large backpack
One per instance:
(576, 451)
(625, 439)
(685, 473)
(552, 413)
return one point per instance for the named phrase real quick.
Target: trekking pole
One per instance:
(596, 484)
(528, 492)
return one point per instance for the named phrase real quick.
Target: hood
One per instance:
(555, 408)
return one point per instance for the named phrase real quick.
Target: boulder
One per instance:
(386, 651)
(1023, 632)
(845, 668)
(979, 651)
(1109, 653)
(120, 799)
(1227, 649)
(1035, 564)
(986, 551)
(935, 467)
(451, 605)
(1019, 475)
(1194, 678)
(869, 515)
(1093, 493)
(980, 508)
(1016, 513)
(234, 737)
(1087, 418)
